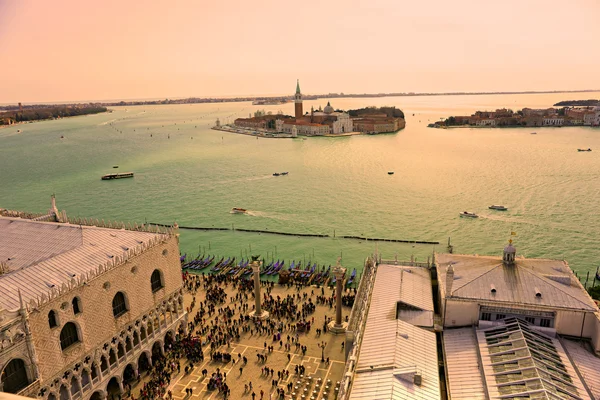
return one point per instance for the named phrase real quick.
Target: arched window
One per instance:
(143, 333)
(112, 358)
(85, 379)
(120, 351)
(119, 305)
(156, 281)
(136, 339)
(14, 376)
(52, 320)
(68, 336)
(94, 371)
(64, 393)
(74, 386)
(103, 364)
(51, 397)
(128, 345)
(76, 305)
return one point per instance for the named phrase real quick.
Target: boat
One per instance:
(588, 149)
(390, 172)
(468, 214)
(115, 166)
(117, 176)
(284, 173)
(498, 208)
(19, 131)
(236, 210)
(534, 133)
(276, 174)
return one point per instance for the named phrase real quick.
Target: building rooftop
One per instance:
(520, 362)
(476, 276)
(463, 367)
(41, 256)
(397, 360)
(587, 364)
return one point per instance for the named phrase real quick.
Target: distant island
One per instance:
(325, 121)
(565, 116)
(578, 103)
(264, 100)
(31, 114)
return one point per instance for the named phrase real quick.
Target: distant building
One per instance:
(298, 101)
(554, 120)
(84, 306)
(295, 127)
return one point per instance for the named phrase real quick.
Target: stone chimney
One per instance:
(449, 280)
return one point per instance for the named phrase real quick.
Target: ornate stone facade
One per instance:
(111, 341)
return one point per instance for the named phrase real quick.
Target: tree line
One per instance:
(36, 114)
(390, 112)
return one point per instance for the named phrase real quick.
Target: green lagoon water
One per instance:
(197, 175)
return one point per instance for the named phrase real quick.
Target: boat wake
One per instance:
(107, 122)
(263, 214)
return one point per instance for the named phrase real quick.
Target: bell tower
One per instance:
(298, 101)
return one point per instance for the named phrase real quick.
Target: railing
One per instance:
(356, 324)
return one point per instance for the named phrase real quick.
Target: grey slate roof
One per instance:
(475, 275)
(42, 254)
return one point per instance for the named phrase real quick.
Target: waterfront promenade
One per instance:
(276, 135)
(285, 355)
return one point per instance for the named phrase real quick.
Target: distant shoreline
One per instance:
(197, 100)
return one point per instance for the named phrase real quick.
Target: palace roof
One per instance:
(42, 256)
(531, 282)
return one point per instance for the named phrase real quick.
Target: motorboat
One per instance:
(117, 176)
(467, 214)
(276, 174)
(284, 173)
(534, 133)
(236, 210)
(588, 149)
(390, 172)
(115, 166)
(498, 208)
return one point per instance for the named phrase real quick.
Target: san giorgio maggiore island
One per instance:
(322, 122)
(95, 310)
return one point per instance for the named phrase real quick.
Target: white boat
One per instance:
(467, 214)
(498, 208)
(236, 210)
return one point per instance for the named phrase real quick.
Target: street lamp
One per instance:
(322, 346)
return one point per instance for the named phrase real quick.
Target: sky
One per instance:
(73, 50)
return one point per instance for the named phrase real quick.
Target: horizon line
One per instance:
(240, 98)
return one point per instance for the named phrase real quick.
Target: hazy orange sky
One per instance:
(113, 49)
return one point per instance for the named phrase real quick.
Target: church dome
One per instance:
(328, 109)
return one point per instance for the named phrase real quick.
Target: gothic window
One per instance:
(94, 371)
(64, 393)
(85, 379)
(128, 345)
(103, 364)
(52, 320)
(14, 376)
(143, 333)
(76, 305)
(112, 358)
(119, 305)
(120, 351)
(74, 386)
(156, 281)
(68, 336)
(136, 339)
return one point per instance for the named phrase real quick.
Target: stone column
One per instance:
(338, 326)
(258, 312)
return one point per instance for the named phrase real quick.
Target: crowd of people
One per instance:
(220, 319)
